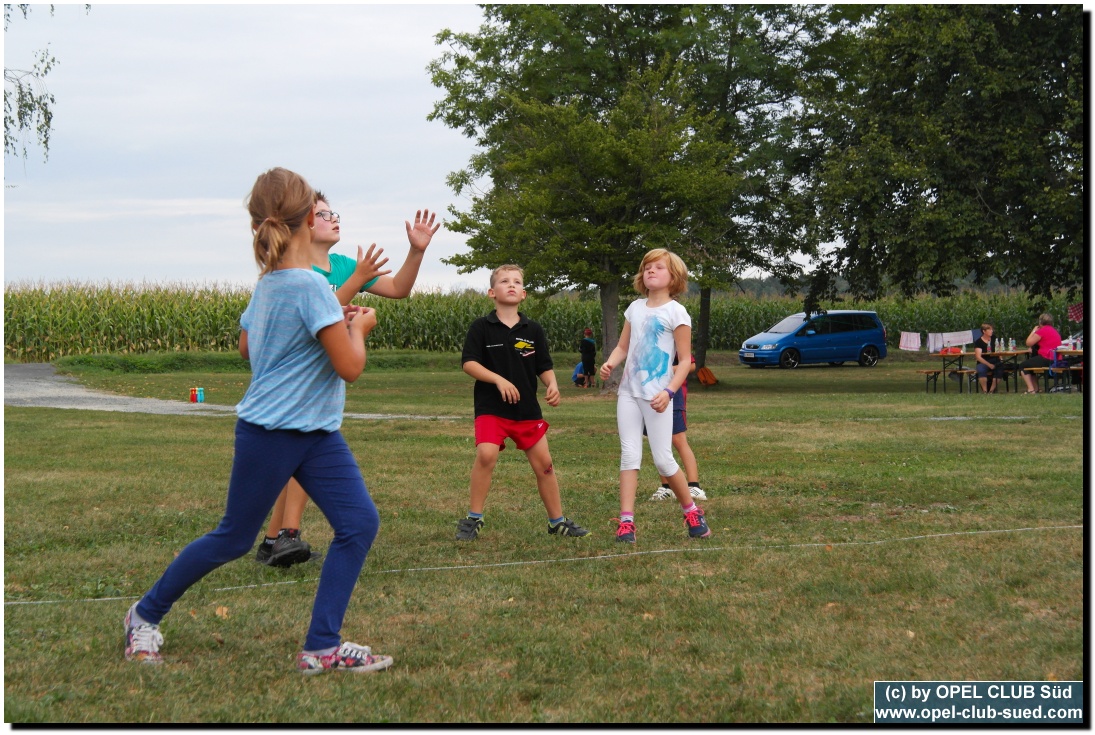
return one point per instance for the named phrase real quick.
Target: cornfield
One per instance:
(43, 322)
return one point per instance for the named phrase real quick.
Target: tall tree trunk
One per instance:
(701, 334)
(610, 329)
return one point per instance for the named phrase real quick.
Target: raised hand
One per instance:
(420, 234)
(369, 264)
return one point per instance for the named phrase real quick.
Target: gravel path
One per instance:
(38, 385)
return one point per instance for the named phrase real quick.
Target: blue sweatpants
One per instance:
(264, 461)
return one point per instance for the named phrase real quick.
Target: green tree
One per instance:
(575, 70)
(955, 144)
(580, 197)
(749, 64)
(586, 136)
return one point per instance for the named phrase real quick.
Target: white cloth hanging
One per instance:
(935, 341)
(910, 341)
(958, 339)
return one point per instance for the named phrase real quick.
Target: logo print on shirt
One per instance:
(648, 356)
(525, 347)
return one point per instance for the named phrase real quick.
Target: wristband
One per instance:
(671, 393)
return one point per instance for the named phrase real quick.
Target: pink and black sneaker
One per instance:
(697, 526)
(625, 532)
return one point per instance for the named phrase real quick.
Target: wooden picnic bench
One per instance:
(1058, 376)
(931, 377)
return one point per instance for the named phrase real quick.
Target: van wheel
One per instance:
(836, 364)
(869, 356)
(789, 359)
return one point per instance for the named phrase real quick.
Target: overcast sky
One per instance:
(165, 114)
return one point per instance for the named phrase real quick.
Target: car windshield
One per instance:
(788, 325)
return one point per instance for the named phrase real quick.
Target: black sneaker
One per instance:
(468, 528)
(262, 553)
(289, 549)
(568, 527)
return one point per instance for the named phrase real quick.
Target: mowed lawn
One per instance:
(863, 530)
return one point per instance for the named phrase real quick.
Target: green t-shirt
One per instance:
(342, 267)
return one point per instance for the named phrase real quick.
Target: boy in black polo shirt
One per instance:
(506, 352)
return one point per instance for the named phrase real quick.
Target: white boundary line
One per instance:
(588, 558)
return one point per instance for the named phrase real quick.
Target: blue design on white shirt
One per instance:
(649, 358)
(649, 366)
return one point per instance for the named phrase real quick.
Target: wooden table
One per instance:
(1009, 358)
(951, 362)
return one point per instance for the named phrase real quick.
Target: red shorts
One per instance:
(495, 430)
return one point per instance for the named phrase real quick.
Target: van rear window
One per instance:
(852, 322)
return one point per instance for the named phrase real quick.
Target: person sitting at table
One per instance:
(1044, 339)
(987, 364)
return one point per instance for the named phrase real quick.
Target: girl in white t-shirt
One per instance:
(655, 329)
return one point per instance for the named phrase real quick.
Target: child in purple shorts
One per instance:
(680, 443)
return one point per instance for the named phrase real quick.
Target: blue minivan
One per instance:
(834, 337)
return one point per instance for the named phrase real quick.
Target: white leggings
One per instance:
(631, 415)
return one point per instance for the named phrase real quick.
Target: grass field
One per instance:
(862, 531)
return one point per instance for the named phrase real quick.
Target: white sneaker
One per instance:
(662, 493)
(348, 657)
(142, 642)
(697, 493)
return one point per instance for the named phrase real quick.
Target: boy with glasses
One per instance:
(283, 546)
